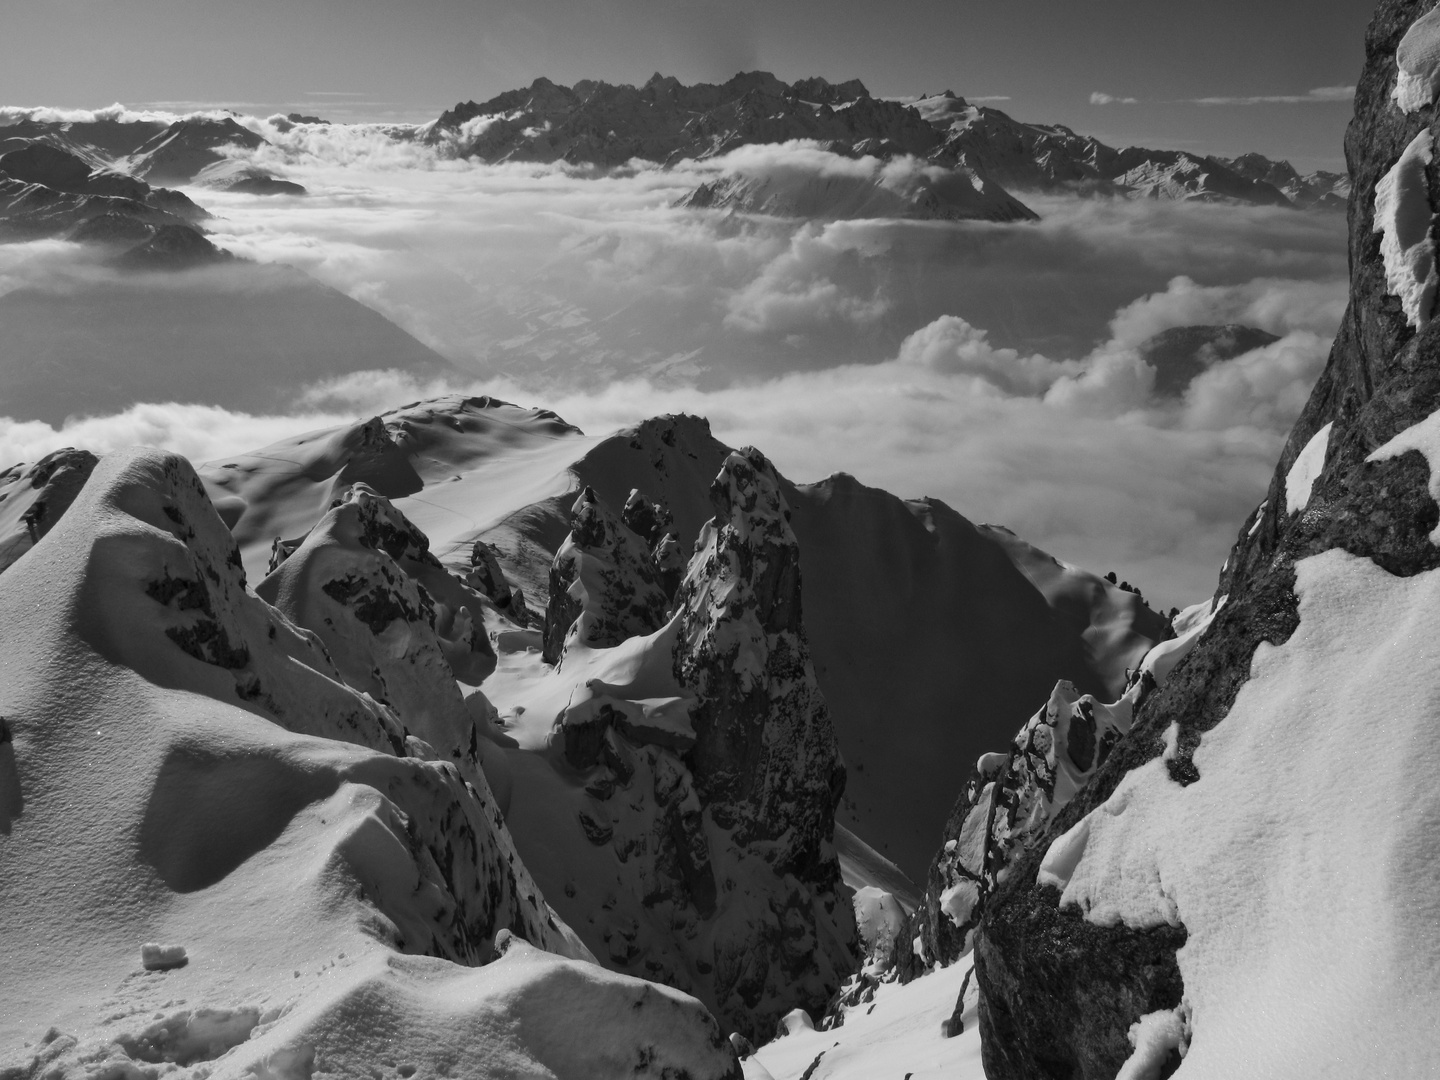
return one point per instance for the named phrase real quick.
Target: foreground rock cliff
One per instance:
(1246, 884)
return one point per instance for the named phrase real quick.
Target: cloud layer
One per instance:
(994, 367)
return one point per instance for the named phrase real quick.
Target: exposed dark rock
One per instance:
(765, 763)
(265, 185)
(1183, 352)
(604, 586)
(174, 247)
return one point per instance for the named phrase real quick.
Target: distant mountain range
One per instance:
(967, 159)
(600, 124)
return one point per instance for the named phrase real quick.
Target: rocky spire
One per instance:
(603, 583)
(765, 762)
(653, 523)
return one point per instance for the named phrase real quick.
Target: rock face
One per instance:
(765, 757)
(1014, 795)
(765, 762)
(604, 586)
(711, 776)
(1060, 991)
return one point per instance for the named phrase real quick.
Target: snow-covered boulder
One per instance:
(33, 497)
(1273, 788)
(604, 586)
(355, 582)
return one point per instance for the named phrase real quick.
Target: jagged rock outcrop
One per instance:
(1014, 794)
(1067, 969)
(765, 762)
(654, 524)
(32, 498)
(604, 586)
(358, 583)
(765, 755)
(710, 779)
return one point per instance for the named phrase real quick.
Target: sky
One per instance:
(1222, 77)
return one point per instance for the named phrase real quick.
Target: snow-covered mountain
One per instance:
(1052, 157)
(1189, 878)
(965, 627)
(600, 124)
(965, 158)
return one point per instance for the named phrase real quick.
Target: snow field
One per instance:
(896, 1035)
(1302, 862)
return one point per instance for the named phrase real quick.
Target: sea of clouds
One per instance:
(991, 366)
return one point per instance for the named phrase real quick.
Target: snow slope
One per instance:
(1271, 850)
(181, 766)
(898, 1033)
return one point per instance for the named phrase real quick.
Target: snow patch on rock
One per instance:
(1403, 216)
(1155, 1036)
(1418, 60)
(1305, 470)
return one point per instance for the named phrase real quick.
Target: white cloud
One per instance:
(1098, 98)
(992, 366)
(1320, 95)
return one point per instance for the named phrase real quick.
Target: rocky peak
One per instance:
(765, 750)
(604, 586)
(765, 762)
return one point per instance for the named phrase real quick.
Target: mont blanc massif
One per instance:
(446, 739)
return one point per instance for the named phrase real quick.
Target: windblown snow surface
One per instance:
(1310, 905)
(181, 769)
(897, 1035)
